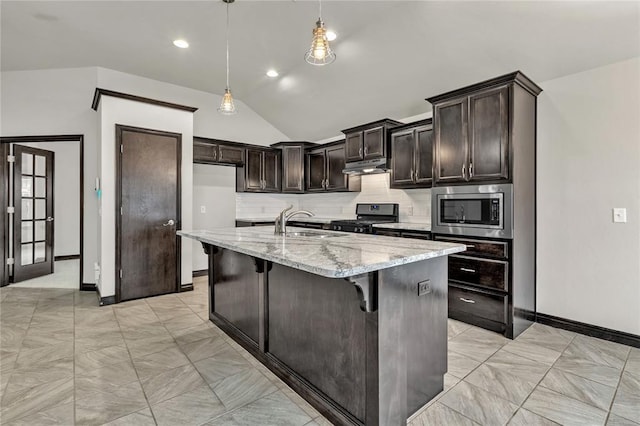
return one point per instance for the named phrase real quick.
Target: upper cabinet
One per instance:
(368, 141)
(261, 172)
(213, 151)
(412, 155)
(293, 165)
(472, 134)
(324, 167)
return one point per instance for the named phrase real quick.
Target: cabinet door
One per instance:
(489, 135)
(204, 152)
(253, 170)
(353, 146)
(293, 169)
(374, 140)
(336, 180)
(424, 155)
(451, 141)
(402, 161)
(315, 173)
(271, 171)
(230, 154)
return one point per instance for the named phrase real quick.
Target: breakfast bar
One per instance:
(355, 324)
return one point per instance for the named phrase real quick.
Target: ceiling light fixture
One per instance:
(182, 44)
(227, 106)
(272, 73)
(320, 52)
(331, 35)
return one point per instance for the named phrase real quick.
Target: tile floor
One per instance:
(66, 275)
(63, 360)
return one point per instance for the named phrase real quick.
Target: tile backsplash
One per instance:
(415, 204)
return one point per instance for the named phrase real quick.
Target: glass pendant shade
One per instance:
(227, 106)
(320, 52)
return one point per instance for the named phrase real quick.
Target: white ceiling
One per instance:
(390, 54)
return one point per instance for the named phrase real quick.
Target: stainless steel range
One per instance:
(368, 215)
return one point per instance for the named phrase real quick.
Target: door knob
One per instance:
(49, 219)
(171, 222)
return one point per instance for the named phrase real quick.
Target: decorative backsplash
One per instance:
(415, 204)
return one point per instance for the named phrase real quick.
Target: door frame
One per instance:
(5, 141)
(120, 128)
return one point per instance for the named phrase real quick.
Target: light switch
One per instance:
(619, 215)
(203, 209)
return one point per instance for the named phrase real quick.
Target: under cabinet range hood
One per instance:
(378, 165)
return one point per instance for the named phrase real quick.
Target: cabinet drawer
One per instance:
(497, 249)
(416, 235)
(478, 304)
(387, 232)
(485, 272)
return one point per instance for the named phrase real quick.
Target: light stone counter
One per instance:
(314, 219)
(338, 255)
(405, 226)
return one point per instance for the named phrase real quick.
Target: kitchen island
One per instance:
(355, 324)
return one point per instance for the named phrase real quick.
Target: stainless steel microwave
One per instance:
(474, 210)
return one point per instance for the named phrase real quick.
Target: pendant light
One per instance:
(320, 52)
(227, 106)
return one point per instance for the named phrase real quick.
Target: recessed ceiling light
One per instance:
(272, 73)
(331, 35)
(182, 44)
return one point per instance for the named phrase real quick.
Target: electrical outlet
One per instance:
(424, 287)
(203, 209)
(619, 215)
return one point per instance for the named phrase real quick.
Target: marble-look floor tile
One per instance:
(183, 321)
(633, 362)
(205, 348)
(459, 365)
(562, 409)
(99, 408)
(222, 365)
(159, 362)
(525, 368)
(36, 338)
(243, 388)
(440, 414)
(21, 402)
(139, 418)
(549, 337)
(171, 383)
(501, 383)
(88, 361)
(141, 347)
(579, 388)
(627, 401)
(192, 408)
(615, 420)
(168, 313)
(59, 415)
(582, 367)
(456, 327)
(302, 404)
(43, 354)
(7, 361)
(598, 351)
(144, 331)
(105, 378)
(98, 341)
(533, 352)
(273, 410)
(37, 374)
(479, 405)
(527, 418)
(477, 344)
(202, 331)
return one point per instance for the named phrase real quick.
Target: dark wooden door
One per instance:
(271, 171)
(353, 146)
(147, 212)
(450, 126)
(336, 180)
(4, 224)
(424, 155)
(489, 135)
(402, 158)
(253, 170)
(293, 169)
(33, 219)
(373, 143)
(316, 170)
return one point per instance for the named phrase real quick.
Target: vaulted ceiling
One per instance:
(390, 54)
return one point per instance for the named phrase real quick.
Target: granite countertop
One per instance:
(301, 218)
(340, 255)
(406, 226)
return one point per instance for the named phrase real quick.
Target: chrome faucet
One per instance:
(283, 217)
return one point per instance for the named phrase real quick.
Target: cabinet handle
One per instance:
(468, 270)
(467, 300)
(366, 150)
(215, 155)
(360, 152)
(415, 176)
(470, 170)
(464, 171)
(470, 246)
(324, 184)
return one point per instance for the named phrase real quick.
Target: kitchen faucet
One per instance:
(283, 217)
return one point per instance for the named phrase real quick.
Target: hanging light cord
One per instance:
(227, 45)
(320, 11)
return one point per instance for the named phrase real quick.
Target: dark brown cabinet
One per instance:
(261, 172)
(475, 129)
(324, 167)
(368, 141)
(293, 165)
(213, 151)
(412, 156)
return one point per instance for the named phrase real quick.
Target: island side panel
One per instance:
(235, 292)
(318, 330)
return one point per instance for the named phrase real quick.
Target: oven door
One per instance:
(483, 210)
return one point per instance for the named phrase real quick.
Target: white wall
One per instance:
(131, 113)
(588, 163)
(214, 189)
(66, 195)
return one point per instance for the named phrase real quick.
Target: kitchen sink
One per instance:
(312, 234)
